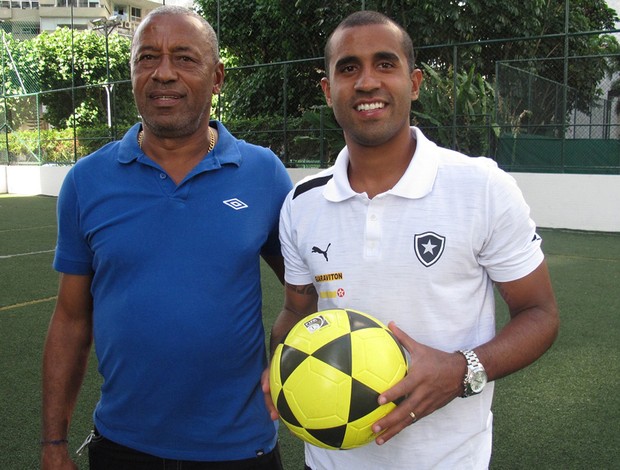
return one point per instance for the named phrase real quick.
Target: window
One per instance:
(136, 14)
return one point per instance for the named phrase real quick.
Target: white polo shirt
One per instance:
(423, 254)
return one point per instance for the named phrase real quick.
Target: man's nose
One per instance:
(367, 80)
(165, 71)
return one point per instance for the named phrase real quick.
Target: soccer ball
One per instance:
(327, 374)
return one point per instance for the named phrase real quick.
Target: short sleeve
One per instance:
(512, 249)
(73, 254)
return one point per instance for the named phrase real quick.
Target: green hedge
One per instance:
(55, 146)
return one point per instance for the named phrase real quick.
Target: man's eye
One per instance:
(186, 61)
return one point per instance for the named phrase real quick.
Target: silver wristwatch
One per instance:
(475, 377)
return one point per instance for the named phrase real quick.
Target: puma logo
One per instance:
(316, 249)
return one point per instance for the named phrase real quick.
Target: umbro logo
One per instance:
(236, 204)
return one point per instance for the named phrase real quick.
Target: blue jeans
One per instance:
(104, 454)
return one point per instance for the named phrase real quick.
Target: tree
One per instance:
(465, 99)
(65, 66)
(269, 31)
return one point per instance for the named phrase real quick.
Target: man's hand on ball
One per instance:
(434, 379)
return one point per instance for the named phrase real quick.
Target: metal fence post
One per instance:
(454, 92)
(285, 115)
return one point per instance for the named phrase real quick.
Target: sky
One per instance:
(615, 4)
(188, 3)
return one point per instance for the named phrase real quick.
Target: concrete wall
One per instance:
(581, 202)
(3, 181)
(32, 180)
(577, 202)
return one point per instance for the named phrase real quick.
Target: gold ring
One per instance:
(413, 417)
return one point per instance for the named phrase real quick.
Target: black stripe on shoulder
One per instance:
(313, 183)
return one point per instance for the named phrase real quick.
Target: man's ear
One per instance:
(326, 91)
(416, 81)
(218, 82)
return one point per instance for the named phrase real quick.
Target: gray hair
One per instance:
(171, 10)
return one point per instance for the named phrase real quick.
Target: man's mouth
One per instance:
(370, 106)
(165, 97)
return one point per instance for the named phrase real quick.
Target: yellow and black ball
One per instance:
(327, 374)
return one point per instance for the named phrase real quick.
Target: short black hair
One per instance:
(366, 18)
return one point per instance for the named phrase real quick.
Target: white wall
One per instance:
(578, 202)
(32, 180)
(582, 202)
(3, 182)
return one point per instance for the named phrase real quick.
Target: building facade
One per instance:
(27, 18)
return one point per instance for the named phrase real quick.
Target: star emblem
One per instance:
(429, 247)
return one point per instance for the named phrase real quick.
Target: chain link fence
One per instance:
(536, 138)
(553, 108)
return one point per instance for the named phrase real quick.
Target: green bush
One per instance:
(468, 95)
(55, 146)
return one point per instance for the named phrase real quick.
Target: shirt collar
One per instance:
(416, 182)
(225, 151)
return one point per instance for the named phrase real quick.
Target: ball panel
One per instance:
(275, 384)
(289, 359)
(304, 435)
(363, 400)
(359, 321)
(318, 394)
(337, 353)
(317, 329)
(285, 411)
(330, 437)
(359, 432)
(377, 358)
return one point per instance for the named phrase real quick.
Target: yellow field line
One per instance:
(26, 304)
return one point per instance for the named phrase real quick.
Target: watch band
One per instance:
(472, 358)
(474, 367)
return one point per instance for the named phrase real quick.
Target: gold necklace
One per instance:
(211, 139)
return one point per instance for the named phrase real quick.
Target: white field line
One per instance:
(25, 254)
(23, 229)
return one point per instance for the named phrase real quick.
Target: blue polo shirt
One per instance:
(177, 293)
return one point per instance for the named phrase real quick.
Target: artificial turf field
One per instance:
(563, 412)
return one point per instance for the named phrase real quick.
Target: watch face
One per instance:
(478, 381)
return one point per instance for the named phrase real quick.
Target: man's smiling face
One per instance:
(370, 85)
